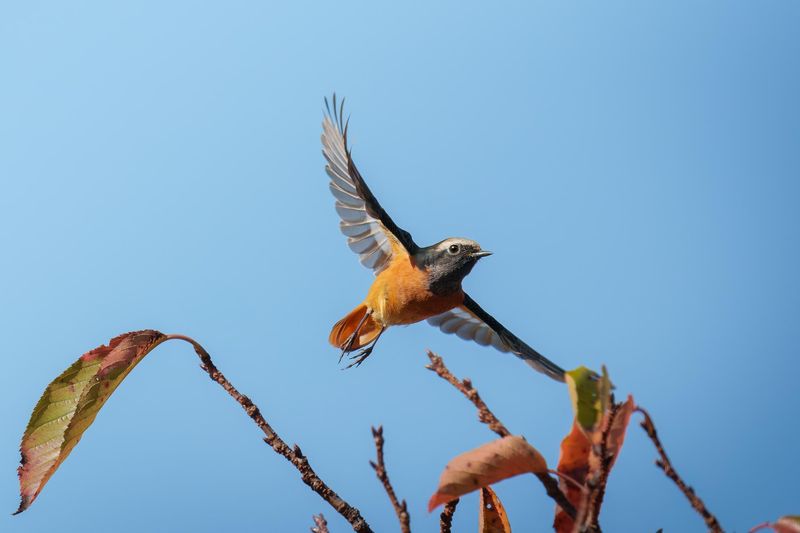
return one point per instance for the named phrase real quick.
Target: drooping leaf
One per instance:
(574, 463)
(492, 516)
(497, 460)
(70, 404)
(589, 394)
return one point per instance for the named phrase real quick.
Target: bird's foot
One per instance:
(359, 357)
(348, 344)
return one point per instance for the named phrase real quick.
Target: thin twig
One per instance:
(446, 518)
(293, 455)
(598, 484)
(664, 464)
(486, 416)
(320, 524)
(380, 470)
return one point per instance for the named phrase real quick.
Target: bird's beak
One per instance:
(482, 253)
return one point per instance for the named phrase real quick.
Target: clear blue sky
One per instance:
(635, 168)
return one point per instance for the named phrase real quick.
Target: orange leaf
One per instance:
(492, 516)
(497, 460)
(69, 406)
(579, 459)
(573, 462)
(616, 433)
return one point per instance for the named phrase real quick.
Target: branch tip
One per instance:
(400, 509)
(666, 466)
(446, 518)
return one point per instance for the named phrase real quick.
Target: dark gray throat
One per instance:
(445, 274)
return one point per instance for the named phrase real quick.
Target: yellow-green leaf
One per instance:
(497, 460)
(70, 404)
(590, 396)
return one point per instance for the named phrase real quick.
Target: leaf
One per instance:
(497, 460)
(574, 463)
(70, 404)
(589, 394)
(615, 433)
(784, 524)
(492, 516)
(787, 524)
(579, 457)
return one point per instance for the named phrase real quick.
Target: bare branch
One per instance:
(466, 388)
(320, 524)
(486, 416)
(665, 465)
(380, 470)
(446, 518)
(293, 455)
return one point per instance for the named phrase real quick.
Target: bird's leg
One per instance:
(348, 345)
(364, 353)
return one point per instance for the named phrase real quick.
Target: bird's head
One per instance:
(448, 262)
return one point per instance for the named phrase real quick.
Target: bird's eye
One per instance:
(454, 249)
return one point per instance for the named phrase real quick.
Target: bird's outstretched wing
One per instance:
(471, 322)
(370, 231)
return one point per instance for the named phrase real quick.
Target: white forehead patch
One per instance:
(456, 240)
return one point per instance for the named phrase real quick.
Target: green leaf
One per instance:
(590, 396)
(70, 404)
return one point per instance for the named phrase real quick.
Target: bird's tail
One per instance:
(540, 363)
(358, 322)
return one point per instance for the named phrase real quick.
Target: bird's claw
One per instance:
(359, 358)
(347, 345)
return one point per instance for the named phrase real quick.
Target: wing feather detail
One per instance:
(370, 231)
(460, 321)
(471, 322)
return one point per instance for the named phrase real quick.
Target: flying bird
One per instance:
(412, 283)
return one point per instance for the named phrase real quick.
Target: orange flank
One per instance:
(399, 295)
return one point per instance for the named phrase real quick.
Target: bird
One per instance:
(412, 283)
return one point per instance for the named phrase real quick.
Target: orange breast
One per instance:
(400, 295)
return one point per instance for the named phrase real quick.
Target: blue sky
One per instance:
(634, 167)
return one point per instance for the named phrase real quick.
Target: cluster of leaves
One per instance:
(71, 402)
(587, 455)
